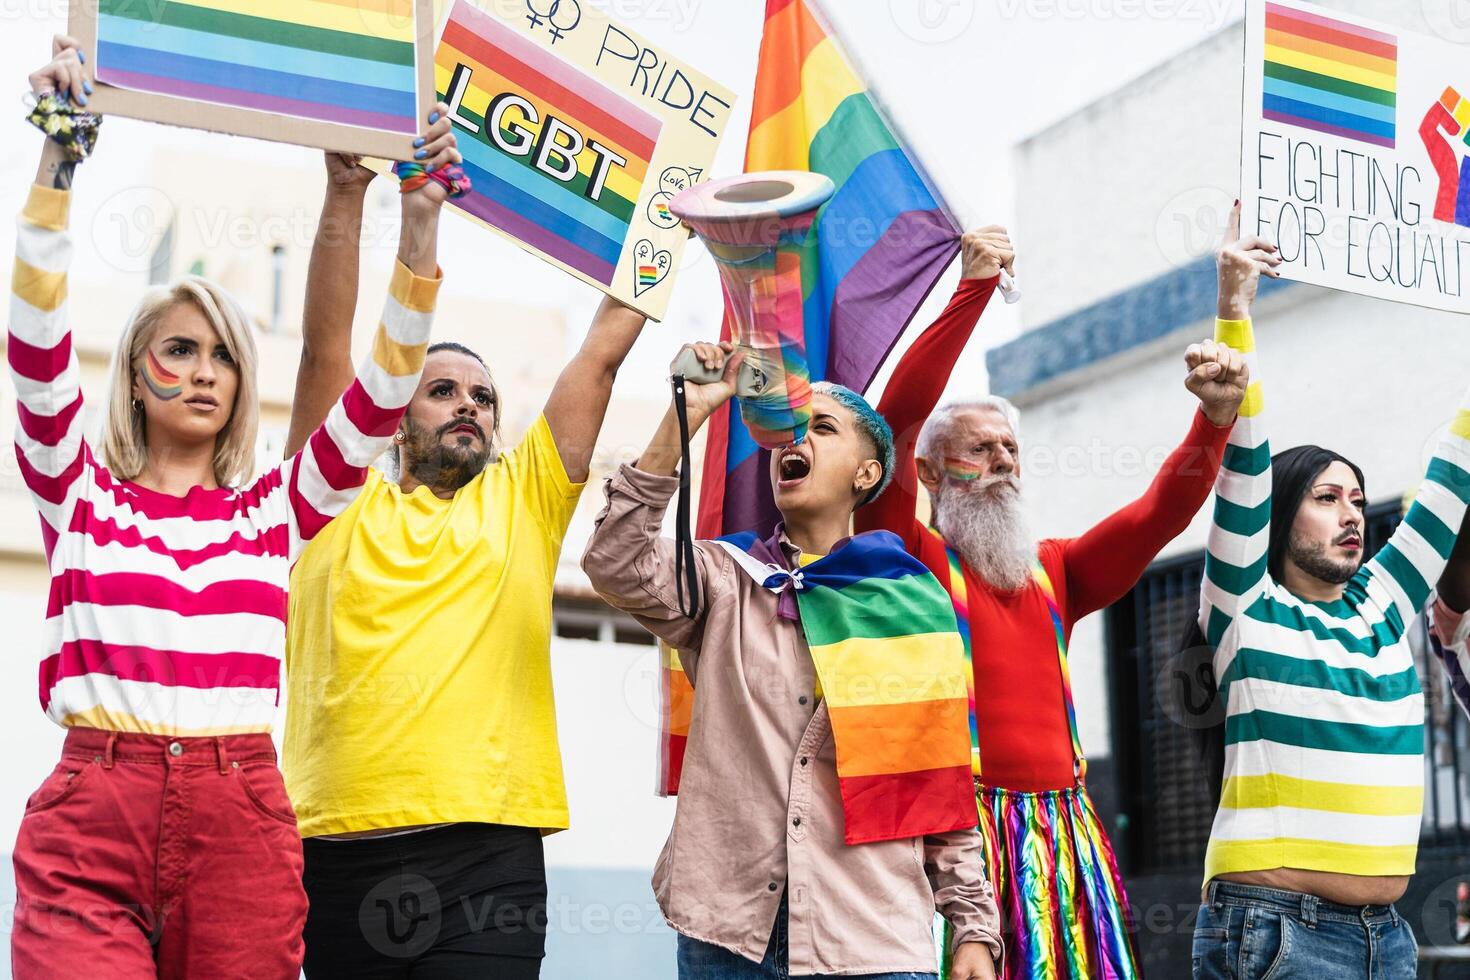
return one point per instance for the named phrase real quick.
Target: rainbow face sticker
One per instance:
(961, 469)
(164, 385)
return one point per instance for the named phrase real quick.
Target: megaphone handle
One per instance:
(1009, 288)
(692, 368)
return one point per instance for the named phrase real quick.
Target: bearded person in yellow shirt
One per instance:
(420, 745)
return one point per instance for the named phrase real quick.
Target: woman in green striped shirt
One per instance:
(1318, 824)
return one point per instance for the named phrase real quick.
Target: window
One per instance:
(1156, 706)
(591, 619)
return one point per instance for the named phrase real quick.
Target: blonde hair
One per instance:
(124, 434)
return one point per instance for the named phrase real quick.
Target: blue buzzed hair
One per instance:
(871, 425)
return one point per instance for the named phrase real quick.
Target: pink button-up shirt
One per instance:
(759, 807)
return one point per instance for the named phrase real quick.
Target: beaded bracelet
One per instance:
(72, 128)
(412, 176)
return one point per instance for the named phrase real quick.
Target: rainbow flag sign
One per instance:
(577, 133)
(1355, 153)
(351, 75)
(1326, 74)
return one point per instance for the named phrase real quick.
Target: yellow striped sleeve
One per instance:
(45, 291)
(1239, 334)
(415, 292)
(48, 207)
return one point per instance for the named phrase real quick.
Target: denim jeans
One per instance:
(1249, 933)
(703, 961)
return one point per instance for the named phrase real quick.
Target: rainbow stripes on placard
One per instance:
(1330, 76)
(573, 221)
(341, 61)
(887, 237)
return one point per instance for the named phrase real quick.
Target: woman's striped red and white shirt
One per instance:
(167, 615)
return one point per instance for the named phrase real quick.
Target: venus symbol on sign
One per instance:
(570, 10)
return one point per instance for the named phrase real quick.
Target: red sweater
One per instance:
(1025, 744)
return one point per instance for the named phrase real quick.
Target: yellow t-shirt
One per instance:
(418, 654)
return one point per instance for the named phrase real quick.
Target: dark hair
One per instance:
(1293, 474)
(454, 347)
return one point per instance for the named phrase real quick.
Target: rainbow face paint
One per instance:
(961, 469)
(164, 385)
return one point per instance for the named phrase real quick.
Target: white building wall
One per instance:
(1138, 182)
(1370, 379)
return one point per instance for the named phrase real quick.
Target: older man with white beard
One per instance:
(1063, 909)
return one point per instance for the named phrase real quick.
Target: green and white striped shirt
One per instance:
(1324, 728)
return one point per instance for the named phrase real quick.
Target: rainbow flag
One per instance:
(890, 665)
(343, 61)
(1330, 76)
(880, 245)
(578, 215)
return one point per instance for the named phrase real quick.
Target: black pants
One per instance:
(458, 902)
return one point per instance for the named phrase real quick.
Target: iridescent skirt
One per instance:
(1064, 914)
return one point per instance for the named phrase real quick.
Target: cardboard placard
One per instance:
(1355, 158)
(348, 75)
(576, 133)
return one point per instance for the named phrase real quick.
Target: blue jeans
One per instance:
(703, 961)
(1249, 933)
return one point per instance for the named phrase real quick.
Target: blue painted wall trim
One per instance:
(1119, 323)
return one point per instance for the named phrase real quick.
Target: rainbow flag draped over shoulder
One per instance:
(891, 666)
(880, 243)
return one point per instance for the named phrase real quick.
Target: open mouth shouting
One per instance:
(793, 465)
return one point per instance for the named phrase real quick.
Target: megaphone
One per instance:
(754, 226)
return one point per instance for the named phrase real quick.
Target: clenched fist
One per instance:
(986, 251)
(1218, 377)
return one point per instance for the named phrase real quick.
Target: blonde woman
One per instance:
(163, 844)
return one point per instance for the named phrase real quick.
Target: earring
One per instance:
(398, 437)
(137, 404)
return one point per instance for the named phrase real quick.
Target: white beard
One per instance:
(985, 522)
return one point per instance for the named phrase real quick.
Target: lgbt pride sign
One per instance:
(348, 75)
(1355, 157)
(577, 133)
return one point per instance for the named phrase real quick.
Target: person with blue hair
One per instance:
(826, 808)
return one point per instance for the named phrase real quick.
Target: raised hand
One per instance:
(346, 172)
(1240, 264)
(1218, 376)
(985, 251)
(66, 74)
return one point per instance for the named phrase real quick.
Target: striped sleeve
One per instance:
(1409, 564)
(1235, 558)
(1449, 638)
(48, 431)
(326, 475)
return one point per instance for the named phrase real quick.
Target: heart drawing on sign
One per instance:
(650, 266)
